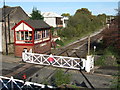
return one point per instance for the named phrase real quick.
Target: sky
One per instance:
(66, 6)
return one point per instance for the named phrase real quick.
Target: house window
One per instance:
(17, 35)
(43, 33)
(24, 35)
(37, 35)
(30, 35)
(47, 33)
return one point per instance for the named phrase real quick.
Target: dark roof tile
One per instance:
(37, 24)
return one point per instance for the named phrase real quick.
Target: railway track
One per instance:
(79, 48)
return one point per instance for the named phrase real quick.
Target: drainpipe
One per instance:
(0, 37)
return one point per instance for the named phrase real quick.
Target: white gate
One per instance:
(15, 84)
(59, 61)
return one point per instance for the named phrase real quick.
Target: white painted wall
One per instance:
(65, 19)
(23, 26)
(26, 27)
(0, 36)
(50, 21)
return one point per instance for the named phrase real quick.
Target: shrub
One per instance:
(60, 78)
(59, 42)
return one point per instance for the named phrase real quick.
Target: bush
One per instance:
(82, 23)
(60, 78)
(59, 42)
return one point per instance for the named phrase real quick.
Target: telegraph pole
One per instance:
(89, 45)
(5, 28)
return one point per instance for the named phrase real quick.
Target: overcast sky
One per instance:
(66, 6)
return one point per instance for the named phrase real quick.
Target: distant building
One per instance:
(12, 15)
(65, 21)
(53, 19)
(32, 35)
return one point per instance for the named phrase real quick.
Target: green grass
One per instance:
(108, 55)
(100, 61)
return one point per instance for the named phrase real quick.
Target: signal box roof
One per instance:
(34, 24)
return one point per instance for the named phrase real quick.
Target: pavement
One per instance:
(7, 63)
(10, 59)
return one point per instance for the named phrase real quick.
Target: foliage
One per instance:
(106, 54)
(65, 14)
(100, 61)
(6, 6)
(60, 78)
(83, 11)
(82, 23)
(36, 15)
(59, 42)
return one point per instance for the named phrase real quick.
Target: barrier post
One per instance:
(88, 63)
(24, 55)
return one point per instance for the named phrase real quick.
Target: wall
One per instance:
(17, 15)
(50, 21)
(19, 49)
(38, 48)
(0, 37)
(42, 48)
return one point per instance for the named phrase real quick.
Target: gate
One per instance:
(59, 61)
(15, 84)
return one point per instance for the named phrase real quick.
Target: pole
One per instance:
(5, 29)
(1, 37)
(89, 45)
(9, 28)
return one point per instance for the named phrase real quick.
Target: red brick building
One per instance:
(32, 34)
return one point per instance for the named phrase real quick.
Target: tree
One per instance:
(83, 11)
(36, 15)
(66, 15)
(82, 23)
(6, 6)
(102, 17)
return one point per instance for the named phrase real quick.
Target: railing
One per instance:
(15, 84)
(59, 61)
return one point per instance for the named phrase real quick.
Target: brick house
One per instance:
(12, 16)
(32, 34)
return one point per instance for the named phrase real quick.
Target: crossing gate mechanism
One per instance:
(59, 61)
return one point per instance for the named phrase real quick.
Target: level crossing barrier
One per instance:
(59, 61)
